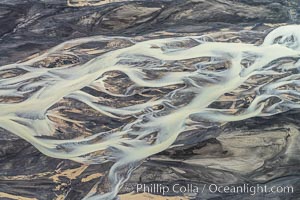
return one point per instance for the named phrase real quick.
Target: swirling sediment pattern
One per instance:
(148, 91)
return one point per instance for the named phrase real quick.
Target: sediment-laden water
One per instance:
(149, 92)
